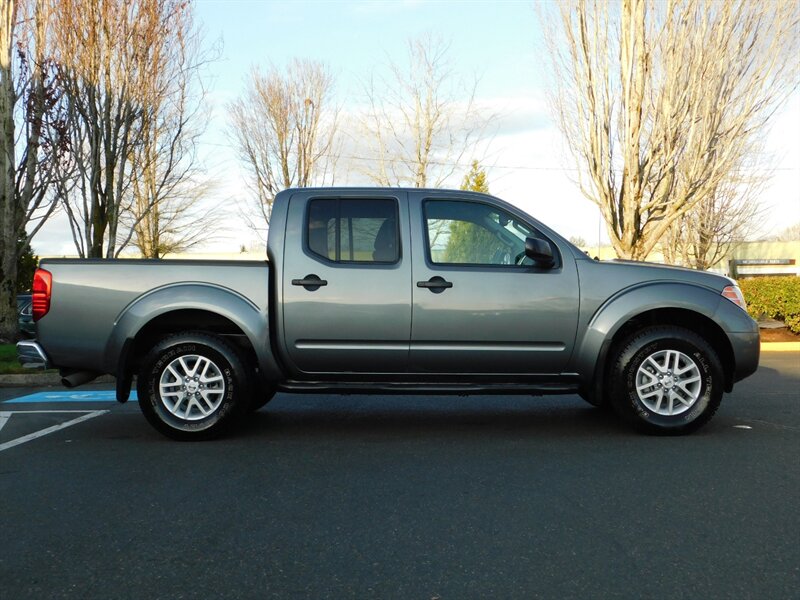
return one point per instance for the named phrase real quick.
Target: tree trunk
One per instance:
(8, 201)
(8, 295)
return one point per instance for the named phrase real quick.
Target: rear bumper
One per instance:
(31, 355)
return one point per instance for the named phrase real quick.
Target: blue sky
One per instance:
(494, 39)
(497, 41)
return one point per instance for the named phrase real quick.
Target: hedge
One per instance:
(774, 298)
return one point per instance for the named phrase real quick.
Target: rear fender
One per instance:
(224, 302)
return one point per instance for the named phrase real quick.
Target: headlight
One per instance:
(734, 294)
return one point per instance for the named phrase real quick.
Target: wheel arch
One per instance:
(682, 305)
(183, 307)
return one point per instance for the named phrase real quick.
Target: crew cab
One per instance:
(370, 290)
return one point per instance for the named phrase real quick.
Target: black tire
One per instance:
(261, 396)
(653, 342)
(223, 408)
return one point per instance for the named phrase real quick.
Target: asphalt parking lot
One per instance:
(402, 497)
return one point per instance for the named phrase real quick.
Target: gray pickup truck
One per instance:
(395, 291)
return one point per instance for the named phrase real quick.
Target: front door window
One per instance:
(472, 233)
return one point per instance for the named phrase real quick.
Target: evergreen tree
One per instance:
(475, 180)
(469, 242)
(27, 262)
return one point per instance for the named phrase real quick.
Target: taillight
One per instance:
(734, 294)
(42, 287)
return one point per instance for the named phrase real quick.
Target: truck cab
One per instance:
(415, 285)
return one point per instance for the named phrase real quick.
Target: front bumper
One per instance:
(746, 352)
(31, 355)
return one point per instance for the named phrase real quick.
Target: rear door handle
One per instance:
(311, 282)
(435, 284)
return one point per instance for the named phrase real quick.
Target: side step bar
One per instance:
(382, 387)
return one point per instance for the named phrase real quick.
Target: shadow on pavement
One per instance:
(484, 418)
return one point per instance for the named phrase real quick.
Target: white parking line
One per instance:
(4, 416)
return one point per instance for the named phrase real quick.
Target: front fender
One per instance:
(193, 296)
(630, 302)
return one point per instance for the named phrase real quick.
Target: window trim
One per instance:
(361, 263)
(507, 268)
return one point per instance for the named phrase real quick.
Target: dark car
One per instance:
(27, 328)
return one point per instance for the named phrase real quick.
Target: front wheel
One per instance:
(192, 385)
(666, 380)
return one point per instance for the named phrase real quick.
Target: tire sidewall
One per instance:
(155, 365)
(694, 347)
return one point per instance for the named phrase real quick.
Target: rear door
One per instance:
(347, 283)
(480, 305)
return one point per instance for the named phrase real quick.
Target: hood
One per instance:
(647, 271)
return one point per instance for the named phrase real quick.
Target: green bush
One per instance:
(8, 359)
(774, 298)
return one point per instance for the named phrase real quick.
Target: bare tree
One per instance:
(284, 127)
(703, 236)
(660, 102)
(421, 119)
(114, 54)
(163, 210)
(101, 45)
(32, 137)
(175, 223)
(790, 234)
(579, 241)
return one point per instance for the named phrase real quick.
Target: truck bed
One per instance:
(107, 288)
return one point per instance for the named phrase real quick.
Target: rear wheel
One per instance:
(192, 385)
(666, 380)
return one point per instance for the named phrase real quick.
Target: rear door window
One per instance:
(353, 231)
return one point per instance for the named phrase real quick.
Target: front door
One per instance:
(346, 284)
(480, 305)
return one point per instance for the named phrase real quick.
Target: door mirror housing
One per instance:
(539, 251)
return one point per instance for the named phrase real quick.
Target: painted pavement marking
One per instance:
(5, 415)
(69, 396)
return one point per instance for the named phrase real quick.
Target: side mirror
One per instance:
(539, 251)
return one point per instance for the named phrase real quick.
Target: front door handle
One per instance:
(311, 282)
(435, 284)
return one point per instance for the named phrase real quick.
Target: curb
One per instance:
(780, 346)
(37, 379)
